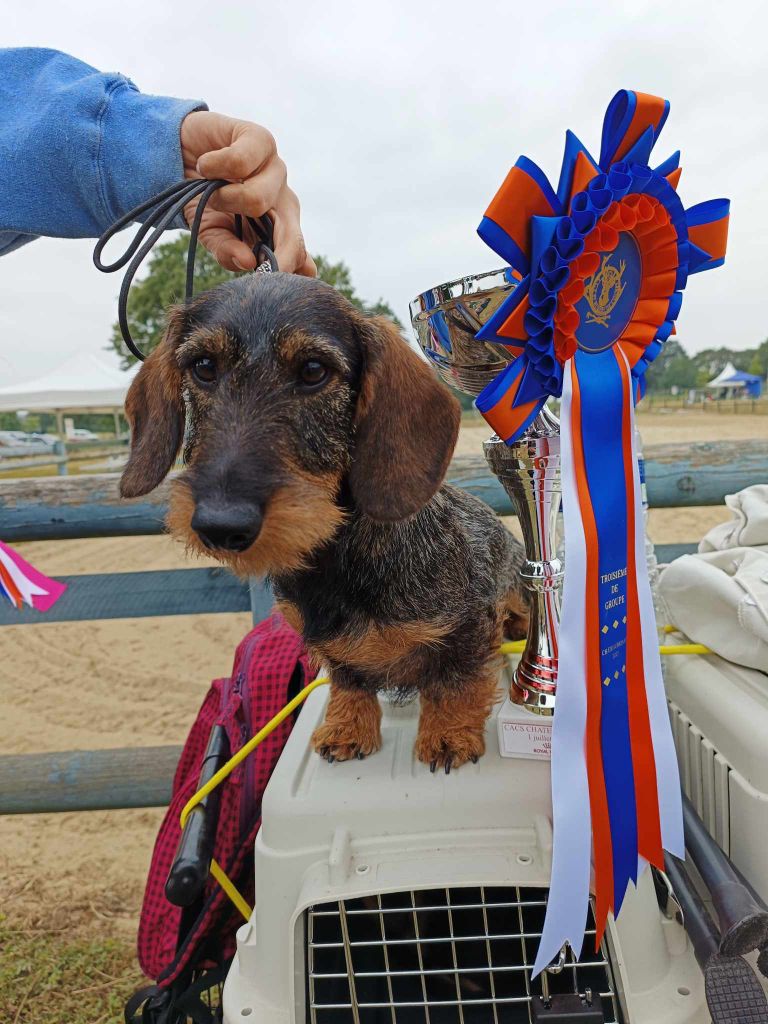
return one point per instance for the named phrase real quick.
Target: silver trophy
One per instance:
(446, 320)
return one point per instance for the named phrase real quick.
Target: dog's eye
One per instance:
(312, 374)
(204, 370)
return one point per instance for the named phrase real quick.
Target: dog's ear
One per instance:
(406, 428)
(154, 406)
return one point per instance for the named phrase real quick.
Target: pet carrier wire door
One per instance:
(440, 956)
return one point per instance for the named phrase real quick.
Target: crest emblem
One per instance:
(603, 290)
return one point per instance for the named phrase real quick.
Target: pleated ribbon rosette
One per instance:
(22, 584)
(604, 259)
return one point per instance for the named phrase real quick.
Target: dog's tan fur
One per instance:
(452, 727)
(301, 517)
(352, 725)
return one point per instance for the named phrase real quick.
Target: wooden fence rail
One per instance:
(87, 780)
(90, 506)
(139, 595)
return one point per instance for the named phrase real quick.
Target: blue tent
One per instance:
(753, 385)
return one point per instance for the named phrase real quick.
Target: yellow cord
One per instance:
(217, 871)
(510, 647)
(667, 649)
(250, 746)
(682, 648)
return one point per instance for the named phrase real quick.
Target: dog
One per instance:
(316, 441)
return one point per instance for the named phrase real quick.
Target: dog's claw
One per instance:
(433, 766)
(448, 764)
(360, 755)
(474, 758)
(331, 758)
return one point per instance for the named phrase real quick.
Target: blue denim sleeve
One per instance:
(78, 148)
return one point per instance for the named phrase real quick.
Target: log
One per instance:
(87, 780)
(138, 595)
(688, 475)
(50, 508)
(90, 506)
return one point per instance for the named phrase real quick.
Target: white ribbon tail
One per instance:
(568, 900)
(665, 756)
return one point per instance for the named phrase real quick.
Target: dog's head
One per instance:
(297, 406)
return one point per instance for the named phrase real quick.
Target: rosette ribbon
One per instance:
(604, 259)
(22, 584)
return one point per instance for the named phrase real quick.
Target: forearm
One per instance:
(79, 148)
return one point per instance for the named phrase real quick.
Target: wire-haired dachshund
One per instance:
(316, 444)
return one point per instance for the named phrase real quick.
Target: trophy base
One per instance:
(522, 734)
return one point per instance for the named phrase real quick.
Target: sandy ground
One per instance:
(140, 682)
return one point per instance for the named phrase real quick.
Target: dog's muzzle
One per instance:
(227, 526)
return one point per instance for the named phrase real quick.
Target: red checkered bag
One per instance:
(176, 946)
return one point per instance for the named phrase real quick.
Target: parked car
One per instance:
(81, 434)
(17, 442)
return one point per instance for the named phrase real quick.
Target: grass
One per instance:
(56, 978)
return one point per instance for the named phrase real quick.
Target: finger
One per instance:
(290, 248)
(227, 248)
(308, 268)
(256, 195)
(251, 148)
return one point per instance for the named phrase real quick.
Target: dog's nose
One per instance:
(227, 527)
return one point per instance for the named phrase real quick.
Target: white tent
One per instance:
(724, 378)
(82, 383)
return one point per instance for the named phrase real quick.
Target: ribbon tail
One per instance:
(667, 769)
(31, 587)
(568, 901)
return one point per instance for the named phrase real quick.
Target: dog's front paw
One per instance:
(449, 748)
(342, 741)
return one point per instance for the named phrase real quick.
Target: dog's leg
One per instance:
(452, 722)
(352, 726)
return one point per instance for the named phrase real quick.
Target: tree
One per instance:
(756, 365)
(672, 367)
(759, 361)
(710, 361)
(338, 275)
(164, 284)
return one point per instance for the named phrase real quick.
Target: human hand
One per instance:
(216, 146)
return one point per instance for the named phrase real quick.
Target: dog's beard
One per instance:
(301, 517)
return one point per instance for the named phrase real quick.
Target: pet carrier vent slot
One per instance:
(704, 775)
(440, 956)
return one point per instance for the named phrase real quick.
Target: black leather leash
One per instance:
(155, 216)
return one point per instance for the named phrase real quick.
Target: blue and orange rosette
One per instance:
(603, 260)
(570, 245)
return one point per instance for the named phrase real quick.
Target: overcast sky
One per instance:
(398, 121)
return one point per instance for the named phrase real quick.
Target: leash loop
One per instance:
(155, 216)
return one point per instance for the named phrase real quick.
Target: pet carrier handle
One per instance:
(192, 862)
(697, 922)
(732, 990)
(743, 921)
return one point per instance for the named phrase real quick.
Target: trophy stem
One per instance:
(529, 471)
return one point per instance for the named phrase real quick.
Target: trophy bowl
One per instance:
(447, 318)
